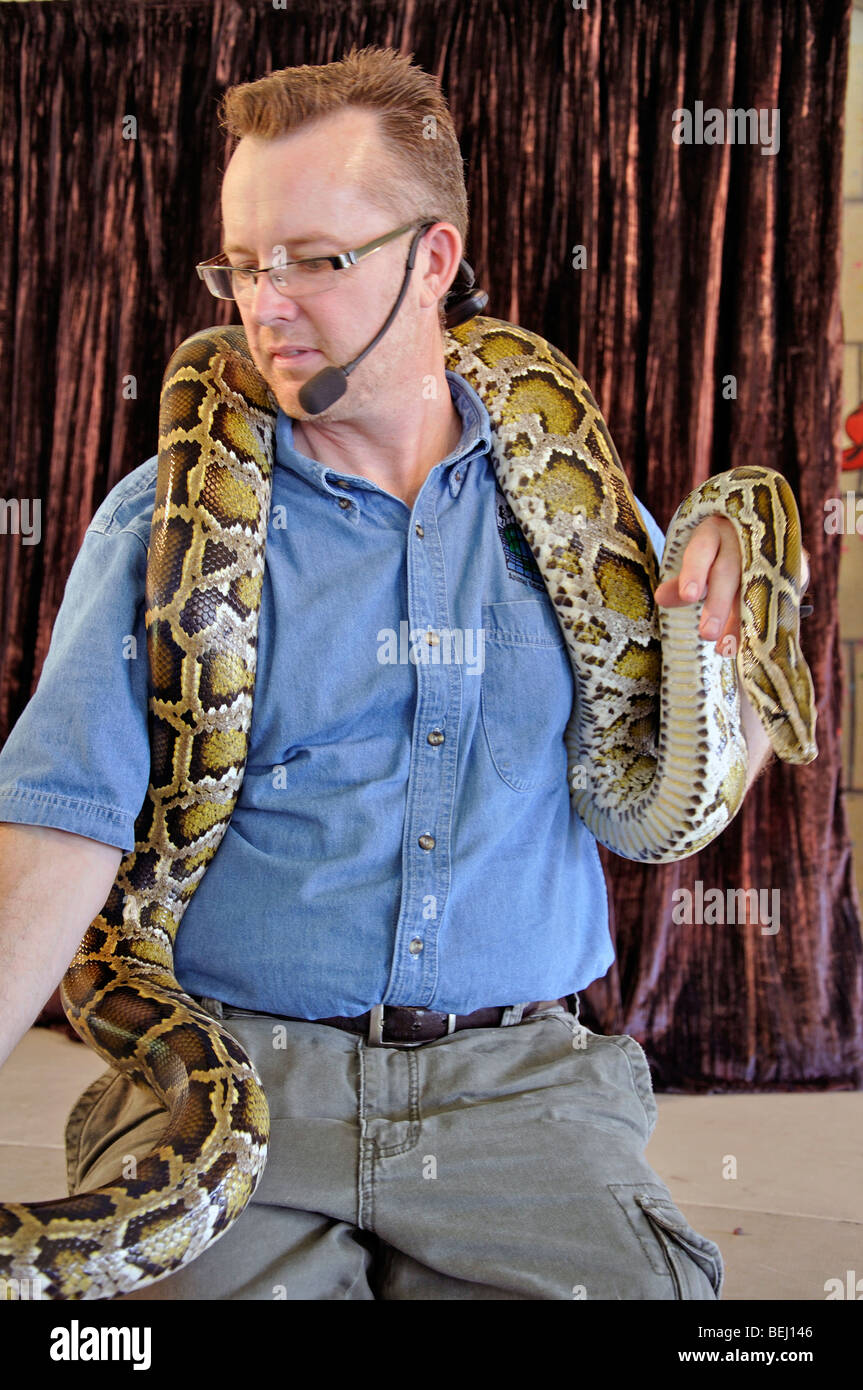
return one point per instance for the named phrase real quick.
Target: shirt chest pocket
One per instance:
(527, 691)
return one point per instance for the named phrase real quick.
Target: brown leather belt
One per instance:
(404, 1025)
(394, 1025)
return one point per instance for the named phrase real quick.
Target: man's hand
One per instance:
(711, 569)
(710, 566)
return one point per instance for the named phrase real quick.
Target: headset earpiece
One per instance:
(463, 301)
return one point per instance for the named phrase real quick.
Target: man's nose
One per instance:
(267, 304)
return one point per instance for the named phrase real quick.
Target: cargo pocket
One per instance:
(670, 1243)
(684, 1248)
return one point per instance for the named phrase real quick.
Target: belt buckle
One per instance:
(376, 1026)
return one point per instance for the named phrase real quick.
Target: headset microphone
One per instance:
(327, 386)
(462, 302)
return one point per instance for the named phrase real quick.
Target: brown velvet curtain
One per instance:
(701, 261)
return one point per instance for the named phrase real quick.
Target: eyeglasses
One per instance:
(293, 279)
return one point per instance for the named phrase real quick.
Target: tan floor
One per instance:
(797, 1196)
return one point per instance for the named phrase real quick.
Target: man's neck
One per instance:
(398, 455)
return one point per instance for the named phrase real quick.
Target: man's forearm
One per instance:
(52, 885)
(757, 742)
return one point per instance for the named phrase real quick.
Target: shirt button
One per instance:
(341, 482)
(458, 477)
(435, 737)
(432, 639)
(415, 946)
(344, 502)
(419, 529)
(426, 841)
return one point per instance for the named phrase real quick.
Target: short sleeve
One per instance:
(78, 758)
(656, 535)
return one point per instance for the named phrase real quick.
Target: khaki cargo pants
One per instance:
(494, 1163)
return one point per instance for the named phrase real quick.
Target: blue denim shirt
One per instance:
(404, 832)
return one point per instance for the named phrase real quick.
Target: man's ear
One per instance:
(442, 247)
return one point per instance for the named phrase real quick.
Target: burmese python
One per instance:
(651, 710)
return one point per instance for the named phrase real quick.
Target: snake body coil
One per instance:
(656, 757)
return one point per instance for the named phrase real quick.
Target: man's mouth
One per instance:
(292, 357)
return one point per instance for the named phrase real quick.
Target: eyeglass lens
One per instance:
(301, 278)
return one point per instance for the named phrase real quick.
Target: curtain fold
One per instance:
(701, 263)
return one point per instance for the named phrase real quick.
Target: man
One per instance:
(404, 835)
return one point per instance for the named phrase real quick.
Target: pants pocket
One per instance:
(76, 1122)
(641, 1078)
(115, 1118)
(639, 1067)
(670, 1243)
(685, 1249)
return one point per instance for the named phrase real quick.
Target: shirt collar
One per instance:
(475, 441)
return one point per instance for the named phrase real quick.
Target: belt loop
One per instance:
(512, 1014)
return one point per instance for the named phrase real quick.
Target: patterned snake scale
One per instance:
(656, 758)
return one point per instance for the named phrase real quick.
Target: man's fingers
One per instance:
(723, 585)
(710, 569)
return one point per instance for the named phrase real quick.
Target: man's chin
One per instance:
(286, 387)
(289, 403)
(287, 394)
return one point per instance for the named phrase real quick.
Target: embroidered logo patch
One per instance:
(520, 562)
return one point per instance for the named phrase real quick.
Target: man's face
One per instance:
(306, 192)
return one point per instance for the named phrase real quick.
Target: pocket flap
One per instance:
(669, 1219)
